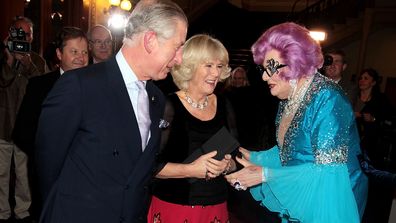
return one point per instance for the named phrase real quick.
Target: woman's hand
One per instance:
(206, 166)
(227, 164)
(199, 168)
(217, 167)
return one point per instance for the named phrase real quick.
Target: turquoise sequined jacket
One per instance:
(315, 175)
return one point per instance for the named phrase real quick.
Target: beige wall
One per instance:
(380, 55)
(98, 12)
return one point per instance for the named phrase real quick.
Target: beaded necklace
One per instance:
(296, 98)
(194, 104)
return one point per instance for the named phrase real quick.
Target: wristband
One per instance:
(264, 175)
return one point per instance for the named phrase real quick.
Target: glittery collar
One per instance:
(290, 144)
(287, 149)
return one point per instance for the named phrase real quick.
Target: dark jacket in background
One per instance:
(29, 112)
(13, 81)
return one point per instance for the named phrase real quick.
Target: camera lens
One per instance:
(328, 60)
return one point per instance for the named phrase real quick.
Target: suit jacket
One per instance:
(26, 122)
(88, 148)
(350, 88)
(13, 82)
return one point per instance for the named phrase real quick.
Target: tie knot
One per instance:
(141, 85)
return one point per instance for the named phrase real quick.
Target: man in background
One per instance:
(335, 72)
(72, 52)
(18, 64)
(239, 77)
(100, 44)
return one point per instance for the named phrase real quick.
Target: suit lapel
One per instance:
(125, 116)
(123, 110)
(154, 113)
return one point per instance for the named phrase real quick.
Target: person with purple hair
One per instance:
(312, 174)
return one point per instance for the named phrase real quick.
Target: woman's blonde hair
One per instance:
(199, 49)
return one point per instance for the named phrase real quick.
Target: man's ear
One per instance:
(344, 66)
(59, 54)
(150, 41)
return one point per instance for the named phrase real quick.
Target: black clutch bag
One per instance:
(222, 141)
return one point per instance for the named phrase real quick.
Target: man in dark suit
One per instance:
(91, 163)
(335, 72)
(69, 39)
(72, 52)
(100, 44)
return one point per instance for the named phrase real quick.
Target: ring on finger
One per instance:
(238, 186)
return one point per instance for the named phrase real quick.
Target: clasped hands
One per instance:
(207, 167)
(249, 176)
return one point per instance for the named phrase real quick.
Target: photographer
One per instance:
(18, 65)
(334, 67)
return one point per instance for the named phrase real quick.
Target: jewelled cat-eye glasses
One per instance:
(271, 68)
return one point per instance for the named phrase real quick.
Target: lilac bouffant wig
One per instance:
(300, 52)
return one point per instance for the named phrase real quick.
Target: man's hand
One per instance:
(7, 53)
(24, 58)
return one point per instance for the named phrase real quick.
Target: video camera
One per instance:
(17, 41)
(328, 60)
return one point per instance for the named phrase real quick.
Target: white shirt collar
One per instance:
(94, 61)
(61, 71)
(127, 73)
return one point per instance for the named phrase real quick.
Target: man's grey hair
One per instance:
(159, 16)
(18, 18)
(90, 31)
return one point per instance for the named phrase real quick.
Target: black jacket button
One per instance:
(115, 152)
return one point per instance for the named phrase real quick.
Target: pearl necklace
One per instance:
(296, 98)
(194, 104)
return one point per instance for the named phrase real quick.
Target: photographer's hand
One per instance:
(7, 53)
(24, 58)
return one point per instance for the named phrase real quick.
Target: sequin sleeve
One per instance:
(331, 127)
(335, 138)
(309, 193)
(267, 158)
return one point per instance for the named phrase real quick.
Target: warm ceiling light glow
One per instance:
(126, 5)
(114, 2)
(117, 21)
(318, 35)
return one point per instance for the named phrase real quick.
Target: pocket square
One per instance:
(163, 124)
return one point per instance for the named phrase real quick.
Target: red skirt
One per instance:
(165, 212)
